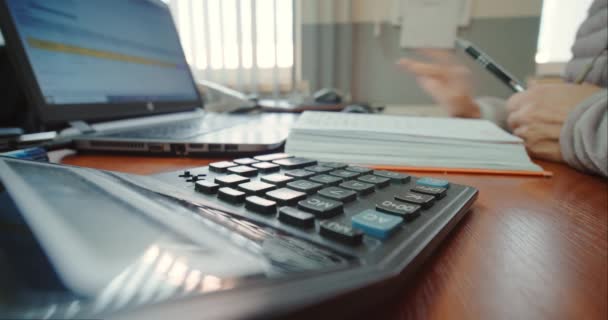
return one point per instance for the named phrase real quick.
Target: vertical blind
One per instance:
(247, 44)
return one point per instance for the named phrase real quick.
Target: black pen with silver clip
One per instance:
(488, 63)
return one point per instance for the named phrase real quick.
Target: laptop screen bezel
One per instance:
(55, 114)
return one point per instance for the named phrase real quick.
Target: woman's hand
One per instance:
(538, 114)
(446, 81)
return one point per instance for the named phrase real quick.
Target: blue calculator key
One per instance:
(376, 224)
(432, 182)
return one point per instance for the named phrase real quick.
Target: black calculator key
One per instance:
(319, 169)
(266, 167)
(333, 165)
(206, 186)
(407, 211)
(299, 173)
(296, 217)
(277, 179)
(380, 182)
(326, 179)
(340, 232)
(221, 167)
(230, 180)
(244, 171)
(285, 197)
(361, 187)
(434, 191)
(294, 163)
(344, 174)
(423, 200)
(322, 208)
(360, 170)
(260, 205)
(394, 176)
(339, 194)
(245, 161)
(255, 187)
(231, 195)
(305, 186)
(272, 157)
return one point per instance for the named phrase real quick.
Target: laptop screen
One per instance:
(96, 52)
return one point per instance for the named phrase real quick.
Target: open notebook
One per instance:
(434, 144)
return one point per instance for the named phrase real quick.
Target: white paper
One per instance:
(429, 23)
(444, 128)
(465, 13)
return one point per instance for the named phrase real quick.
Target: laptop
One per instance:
(115, 71)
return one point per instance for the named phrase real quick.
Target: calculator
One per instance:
(270, 236)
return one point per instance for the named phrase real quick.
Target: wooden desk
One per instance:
(531, 248)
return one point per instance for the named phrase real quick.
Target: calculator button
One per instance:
(326, 179)
(231, 195)
(296, 217)
(206, 186)
(344, 174)
(376, 224)
(319, 169)
(244, 171)
(272, 157)
(407, 211)
(308, 187)
(380, 182)
(361, 187)
(423, 200)
(255, 187)
(299, 173)
(277, 179)
(221, 167)
(333, 165)
(294, 163)
(186, 174)
(266, 167)
(245, 161)
(285, 197)
(230, 180)
(394, 176)
(340, 232)
(339, 194)
(432, 182)
(360, 170)
(322, 208)
(437, 192)
(260, 205)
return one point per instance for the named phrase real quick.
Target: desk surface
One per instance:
(531, 248)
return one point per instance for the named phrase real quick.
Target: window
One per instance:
(559, 22)
(247, 44)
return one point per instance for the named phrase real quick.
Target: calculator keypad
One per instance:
(342, 204)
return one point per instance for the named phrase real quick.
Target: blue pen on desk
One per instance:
(36, 154)
(488, 63)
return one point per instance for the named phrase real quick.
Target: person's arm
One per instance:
(584, 137)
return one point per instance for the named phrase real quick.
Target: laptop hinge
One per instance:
(82, 126)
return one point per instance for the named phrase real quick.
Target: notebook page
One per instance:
(364, 125)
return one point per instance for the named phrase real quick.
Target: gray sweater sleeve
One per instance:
(584, 136)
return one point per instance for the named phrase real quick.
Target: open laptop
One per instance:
(121, 62)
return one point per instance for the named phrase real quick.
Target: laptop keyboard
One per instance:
(182, 129)
(331, 203)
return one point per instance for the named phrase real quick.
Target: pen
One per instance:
(488, 63)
